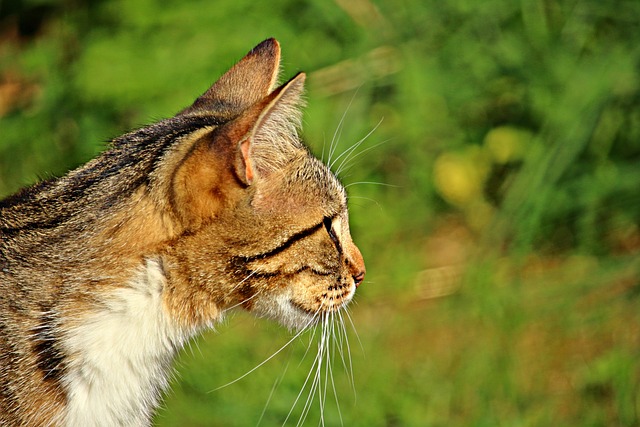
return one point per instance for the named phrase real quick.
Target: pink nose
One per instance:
(358, 278)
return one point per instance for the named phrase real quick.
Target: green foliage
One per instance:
(507, 137)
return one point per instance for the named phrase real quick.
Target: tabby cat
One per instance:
(106, 272)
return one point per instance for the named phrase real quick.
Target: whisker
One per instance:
(338, 131)
(378, 205)
(335, 394)
(304, 386)
(330, 365)
(349, 153)
(306, 381)
(243, 301)
(314, 384)
(349, 162)
(339, 339)
(384, 184)
(304, 329)
(276, 383)
(236, 287)
(313, 334)
(317, 384)
(322, 396)
(346, 311)
(243, 280)
(349, 370)
(334, 141)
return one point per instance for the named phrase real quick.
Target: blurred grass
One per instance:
(503, 267)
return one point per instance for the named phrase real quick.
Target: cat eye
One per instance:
(328, 225)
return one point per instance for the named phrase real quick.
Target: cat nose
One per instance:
(356, 264)
(358, 278)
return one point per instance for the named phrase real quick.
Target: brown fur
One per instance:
(217, 207)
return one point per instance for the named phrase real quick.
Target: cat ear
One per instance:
(251, 146)
(267, 132)
(244, 84)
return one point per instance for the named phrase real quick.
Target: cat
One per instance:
(106, 272)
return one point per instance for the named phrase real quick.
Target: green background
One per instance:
(495, 197)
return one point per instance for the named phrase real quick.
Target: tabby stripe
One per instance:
(286, 244)
(50, 360)
(126, 152)
(328, 225)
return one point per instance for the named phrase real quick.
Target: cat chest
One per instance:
(121, 355)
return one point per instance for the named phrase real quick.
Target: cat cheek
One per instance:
(292, 204)
(271, 200)
(263, 202)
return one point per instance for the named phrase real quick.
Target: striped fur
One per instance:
(107, 271)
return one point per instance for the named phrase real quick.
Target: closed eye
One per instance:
(328, 225)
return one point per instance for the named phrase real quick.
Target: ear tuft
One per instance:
(266, 134)
(273, 138)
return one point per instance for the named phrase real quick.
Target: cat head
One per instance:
(262, 223)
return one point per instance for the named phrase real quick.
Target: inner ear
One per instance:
(247, 82)
(244, 170)
(266, 134)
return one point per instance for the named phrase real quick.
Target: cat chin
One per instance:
(294, 316)
(283, 310)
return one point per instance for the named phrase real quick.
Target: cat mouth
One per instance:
(306, 307)
(336, 298)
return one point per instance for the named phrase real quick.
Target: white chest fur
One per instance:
(121, 356)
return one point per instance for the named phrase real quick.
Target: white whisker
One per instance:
(304, 386)
(313, 371)
(338, 131)
(276, 383)
(367, 199)
(371, 183)
(306, 381)
(349, 162)
(236, 287)
(323, 358)
(346, 311)
(335, 394)
(313, 334)
(243, 301)
(322, 395)
(330, 364)
(302, 330)
(334, 141)
(348, 153)
(243, 280)
(316, 371)
(348, 369)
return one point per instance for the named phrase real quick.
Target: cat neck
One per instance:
(121, 353)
